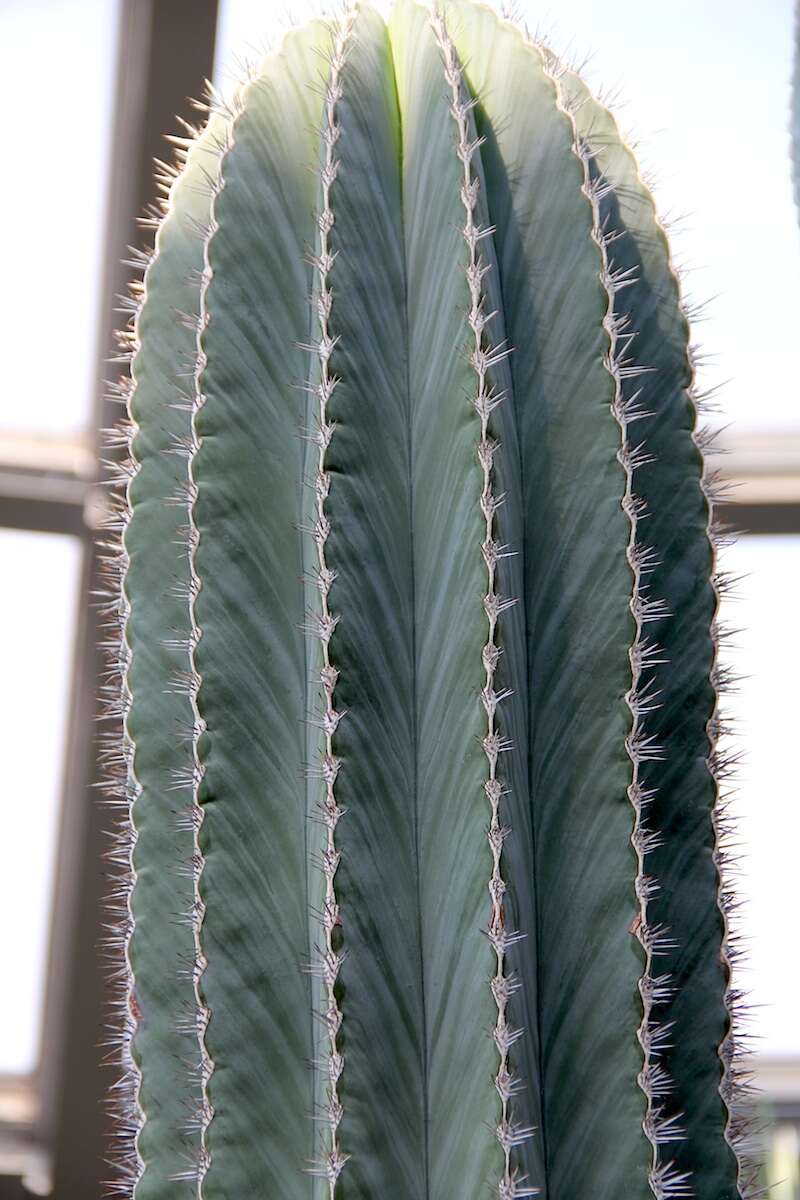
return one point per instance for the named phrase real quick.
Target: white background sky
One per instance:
(706, 88)
(57, 67)
(768, 807)
(38, 600)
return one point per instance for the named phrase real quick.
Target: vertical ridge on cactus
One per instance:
(322, 621)
(370, 550)
(248, 655)
(678, 532)
(427, 892)
(486, 356)
(156, 647)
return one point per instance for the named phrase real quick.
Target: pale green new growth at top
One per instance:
(419, 677)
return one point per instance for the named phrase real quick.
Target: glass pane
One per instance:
(240, 35)
(767, 654)
(784, 1161)
(57, 63)
(712, 113)
(37, 632)
(247, 28)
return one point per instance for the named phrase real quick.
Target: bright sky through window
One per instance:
(57, 63)
(766, 654)
(37, 633)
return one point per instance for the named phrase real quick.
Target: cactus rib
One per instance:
(159, 1041)
(228, 112)
(130, 1163)
(665, 1180)
(685, 821)
(639, 746)
(246, 611)
(322, 624)
(206, 1111)
(483, 356)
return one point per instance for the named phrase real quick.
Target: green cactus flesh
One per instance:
(425, 891)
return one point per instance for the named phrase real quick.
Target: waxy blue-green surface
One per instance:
(419, 1101)
(160, 716)
(250, 656)
(577, 617)
(676, 529)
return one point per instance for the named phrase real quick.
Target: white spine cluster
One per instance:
(199, 1018)
(123, 791)
(483, 356)
(322, 623)
(742, 1132)
(201, 1013)
(121, 783)
(667, 1182)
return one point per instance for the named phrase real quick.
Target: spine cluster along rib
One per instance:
(483, 356)
(322, 624)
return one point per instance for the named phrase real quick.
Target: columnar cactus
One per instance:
(418, 663)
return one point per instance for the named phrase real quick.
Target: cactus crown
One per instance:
(418, 612)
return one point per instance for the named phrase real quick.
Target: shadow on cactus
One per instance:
(418, 650)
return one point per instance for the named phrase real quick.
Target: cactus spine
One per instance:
(324, 622)
(483, 357)
(416, 581)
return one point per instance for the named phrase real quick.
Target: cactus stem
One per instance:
(130, 1165)
(321, 623)
(735, 1085)
(482, 357)
(193, 818)
(667, 1182)
(189, 681)
(127, 1099)
(129, 1086)
(654, 940)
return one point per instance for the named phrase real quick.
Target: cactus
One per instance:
(422, 825)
